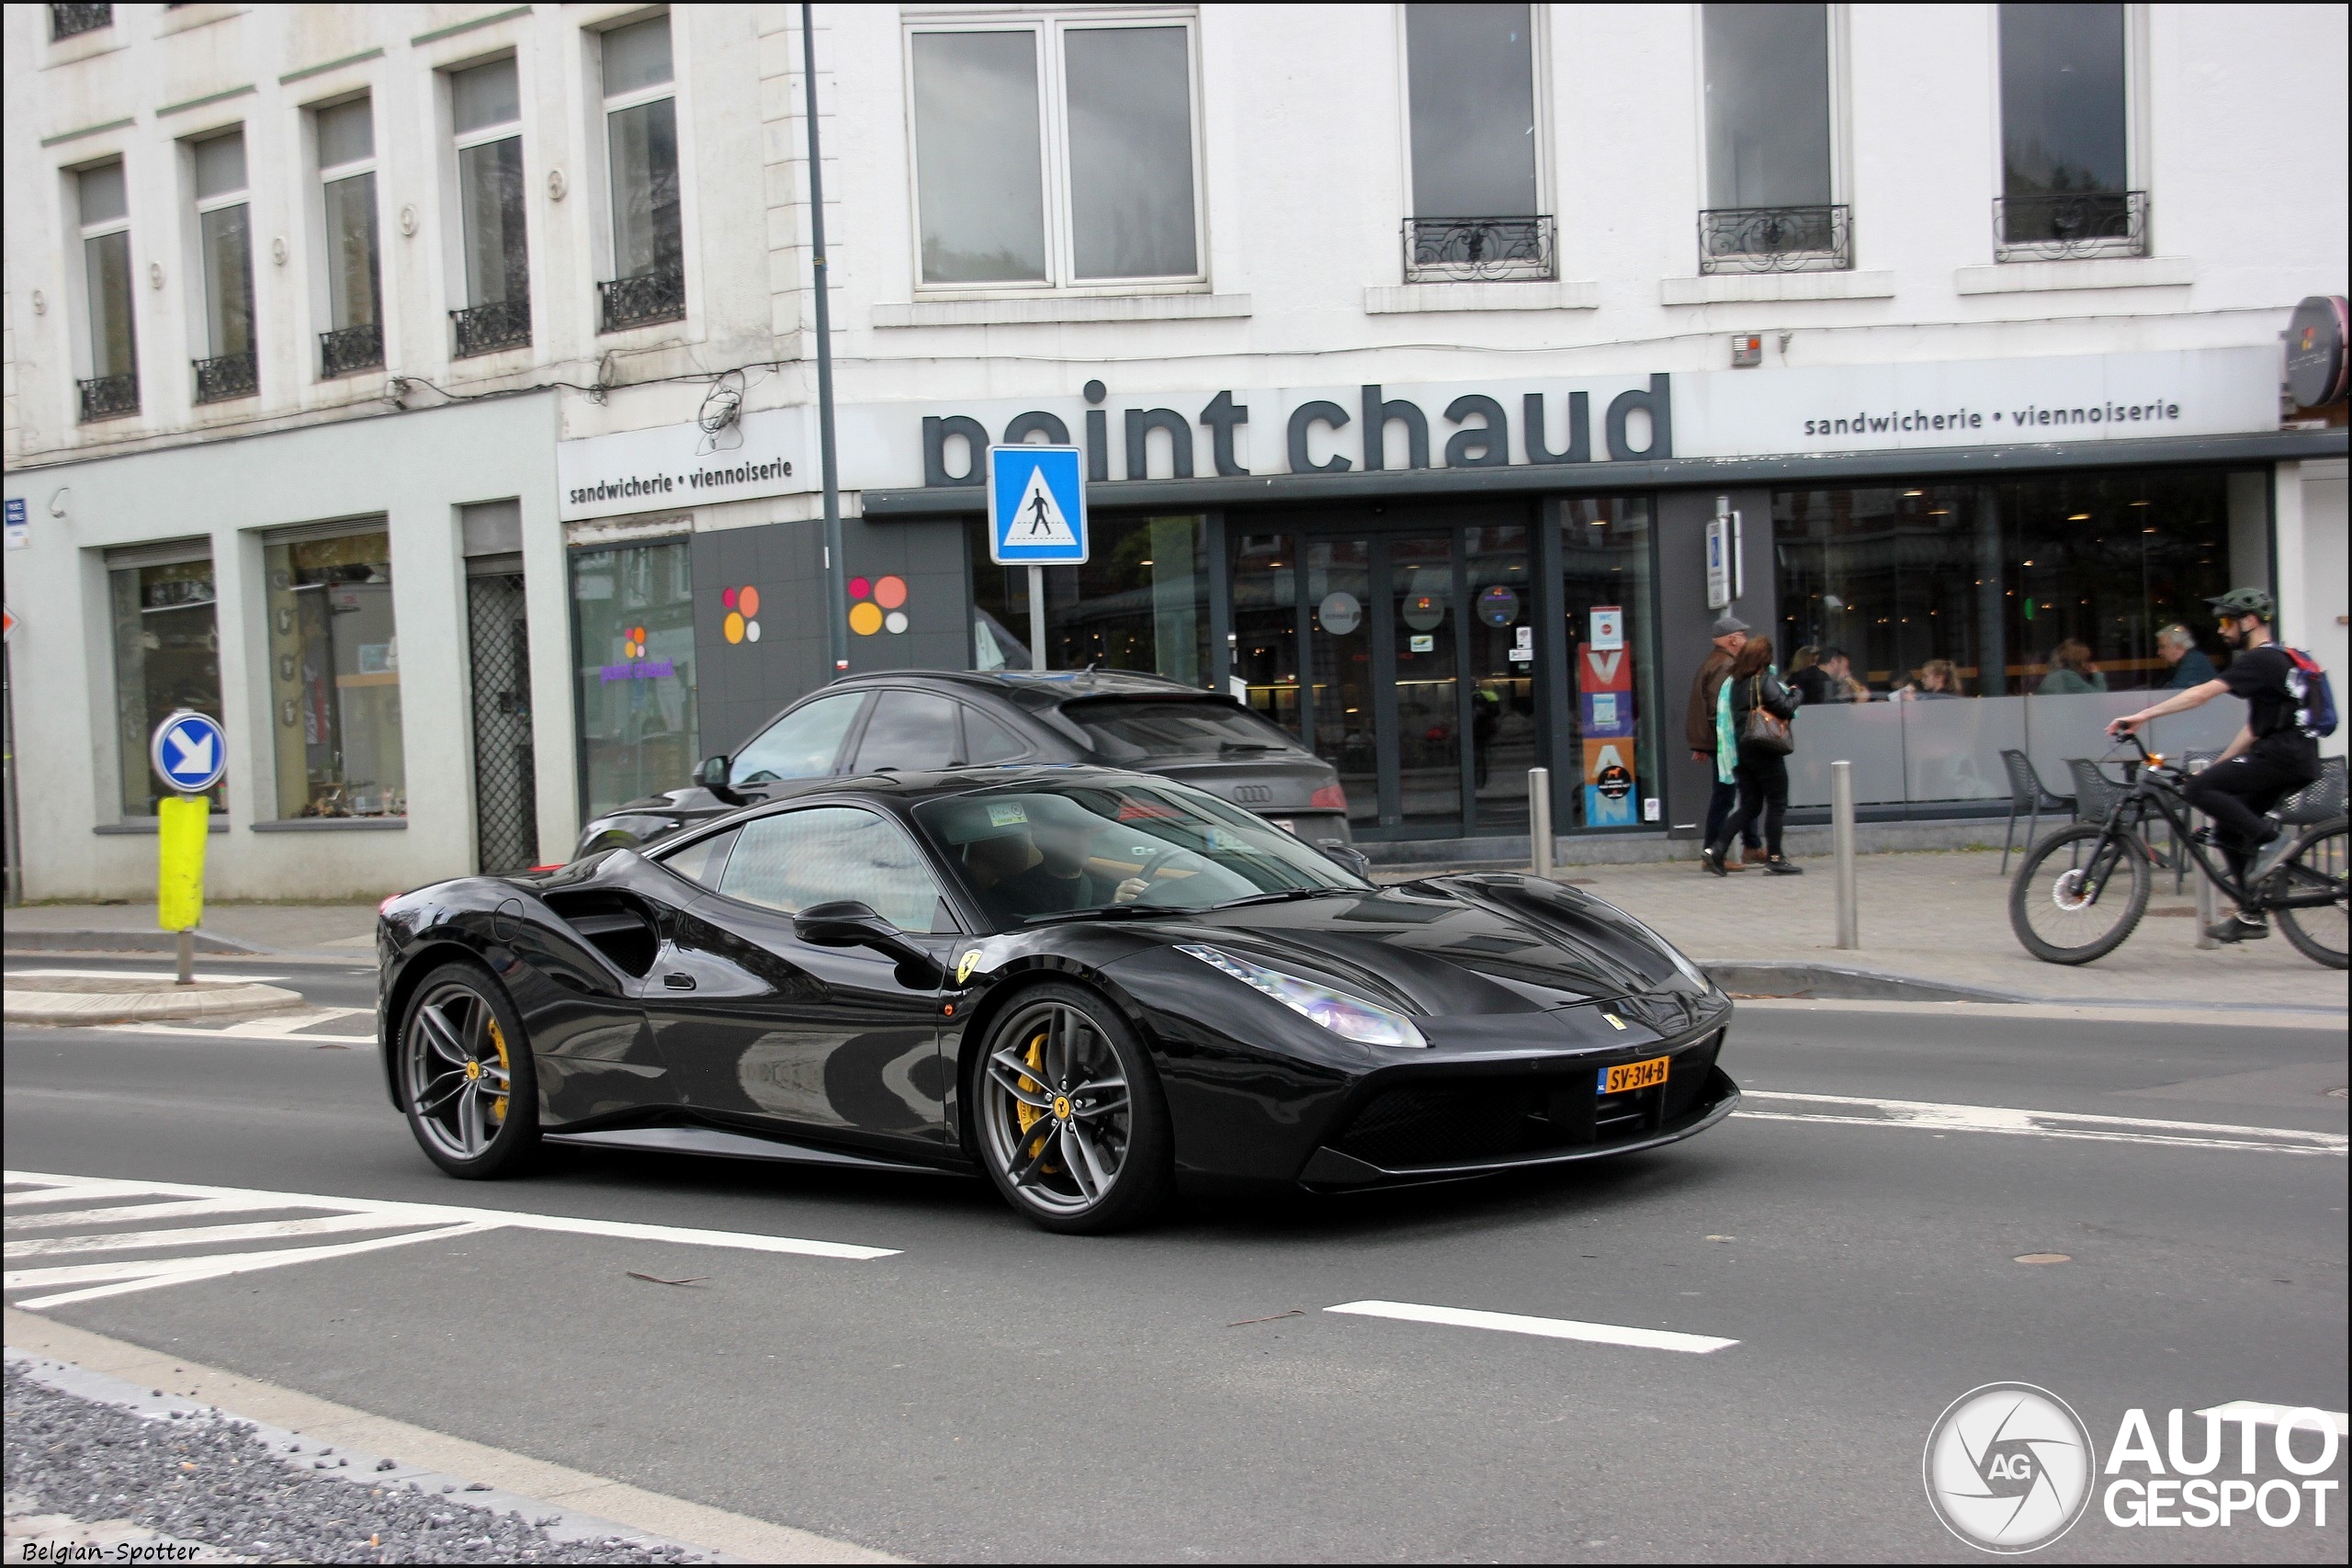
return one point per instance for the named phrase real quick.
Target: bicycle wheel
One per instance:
(2316, 865)
(2074, 900)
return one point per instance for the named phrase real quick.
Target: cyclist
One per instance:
(2271, 757)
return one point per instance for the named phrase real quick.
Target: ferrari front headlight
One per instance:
(1349, 1016)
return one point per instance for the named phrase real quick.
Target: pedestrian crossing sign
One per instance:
(1036, 506)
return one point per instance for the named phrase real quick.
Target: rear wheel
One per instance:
(2315, 865)
(467, 1079)
(2075, 899)
(1072, 1127)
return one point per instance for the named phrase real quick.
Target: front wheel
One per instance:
(2079, 894)
(1072, 1123)
(2314, 867)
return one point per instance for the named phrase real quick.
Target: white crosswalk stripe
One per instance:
(43, 1202)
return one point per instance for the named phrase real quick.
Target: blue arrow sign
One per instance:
(1036, 506)
(190, 751)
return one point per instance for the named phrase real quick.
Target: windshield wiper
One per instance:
(1093, 911)
(1253, 746)
(1286, 896)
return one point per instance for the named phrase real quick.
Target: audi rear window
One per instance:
(1124, 731)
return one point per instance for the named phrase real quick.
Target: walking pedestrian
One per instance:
(1730, 634)
(1752, 715)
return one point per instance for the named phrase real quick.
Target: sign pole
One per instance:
(1037, 617)
(836, 568)
(189, 752)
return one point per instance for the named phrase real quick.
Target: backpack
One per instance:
(2315, 697)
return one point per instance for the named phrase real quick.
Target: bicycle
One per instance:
(2081, 891)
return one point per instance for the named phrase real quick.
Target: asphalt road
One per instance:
(990, 1391)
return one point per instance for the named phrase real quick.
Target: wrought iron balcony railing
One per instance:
(2060, 225)
(649, 296)
(110, 397)
(348, 350)
(71, 21)
(1776, 239)
(230, 375)
(486, 329)
(1447, 250)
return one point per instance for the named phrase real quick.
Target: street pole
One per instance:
(1841, 838)
(1037, 617)
(836, 568)
(1539, 819)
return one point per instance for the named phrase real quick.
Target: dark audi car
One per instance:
(917, 720)
(1091, 985)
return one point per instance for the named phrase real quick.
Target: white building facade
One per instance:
(1415, 350)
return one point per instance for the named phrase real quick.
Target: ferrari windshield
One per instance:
(1040, 852)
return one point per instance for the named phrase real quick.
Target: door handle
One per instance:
(678, 982)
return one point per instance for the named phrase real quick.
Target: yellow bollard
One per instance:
(183, 822)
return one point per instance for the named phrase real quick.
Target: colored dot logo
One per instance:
(743, 608)
(875, 606)
(633, 642)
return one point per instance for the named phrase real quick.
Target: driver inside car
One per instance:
(1040, 867)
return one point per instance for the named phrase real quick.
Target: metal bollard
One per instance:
(184, 953)
(1539, 818)
(1841, 838)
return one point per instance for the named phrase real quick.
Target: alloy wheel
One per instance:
(1055, 1109)
(460, 1077)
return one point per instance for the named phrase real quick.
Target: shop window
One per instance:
(641, 144)
(1141, 603)
(2045, 600)
(166, 657)
(111, 390)
(486, 109)
(1476, 208)
(334, 663)
(224, 237)
(1265, 638)
(1772, 201)
(2065, 135)
(1108, 107)
(1605, 544)
(633, 635)
(354, 340)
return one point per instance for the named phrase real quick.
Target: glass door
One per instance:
(1500, 631)
(1425, 695)
(1342, 664)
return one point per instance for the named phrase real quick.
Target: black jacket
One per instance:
(1760, 689)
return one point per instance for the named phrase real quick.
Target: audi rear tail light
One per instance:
(1330, 797)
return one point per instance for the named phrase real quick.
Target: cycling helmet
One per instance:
(2251, 602)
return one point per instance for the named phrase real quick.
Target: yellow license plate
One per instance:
(1633, 1075)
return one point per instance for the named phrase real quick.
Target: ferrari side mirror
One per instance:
(845, 923)
(1348, 855)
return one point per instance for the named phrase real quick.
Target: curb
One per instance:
(77, 1009)
(23, 940)
(1828, 982)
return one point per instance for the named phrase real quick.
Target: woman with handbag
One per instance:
(1753, 743)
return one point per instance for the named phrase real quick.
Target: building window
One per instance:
(1109, 107)
(225, 238)
(355, 336)
(641, 145)
(486, 109)
(334, 669)
(1772, 168)
(1476, 205)
(2043, 601)
(72, 21)
(633, 636)
(1141, 603)
(112, 389)
(167, 656)
(2065, 136)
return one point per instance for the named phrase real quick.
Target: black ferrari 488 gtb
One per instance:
(1094, 985)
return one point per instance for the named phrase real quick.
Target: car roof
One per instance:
(905, 791)
(1037, 687)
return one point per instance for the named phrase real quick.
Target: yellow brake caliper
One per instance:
(498, 1106)
(1030, 1115)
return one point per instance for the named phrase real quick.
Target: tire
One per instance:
(1063, 1148)
(2059, 931)
(2319, 934)
(461, 1043)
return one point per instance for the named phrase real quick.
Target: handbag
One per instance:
(1765, 731)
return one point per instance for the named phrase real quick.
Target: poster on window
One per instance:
(1608, 783)
(1605, 691)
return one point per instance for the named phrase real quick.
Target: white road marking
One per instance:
(1545, 1328)
(1853, 1110)
(340, 1214)
(2263, 1415)
(280, 1027)
(121, 974)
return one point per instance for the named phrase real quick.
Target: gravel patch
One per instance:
(210, 1479)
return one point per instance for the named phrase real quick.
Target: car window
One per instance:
(1127, 731)
(803, 744)
(910, 730)
(704, 860)
(985, 740)
(829, 853)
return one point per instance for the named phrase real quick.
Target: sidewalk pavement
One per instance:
(1933, 917)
